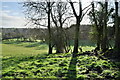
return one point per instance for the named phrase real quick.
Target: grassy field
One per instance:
(30, 60)
(18, 51)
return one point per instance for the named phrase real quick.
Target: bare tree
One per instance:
(117, 30)
(59, 16)
(93, 14)
(37, 12)
(104, 44)
(79, 18)
(99, 18)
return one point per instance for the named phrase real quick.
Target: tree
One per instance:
(79, 18)
(99, 18)
(38, 12)
(117, 30)
(59, 16)
(93, 14)
(49, 30)
(104, 45)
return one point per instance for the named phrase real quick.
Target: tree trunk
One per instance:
(60, 46)
(97, 28)
(117, 30)
(78, 20)
(105, 39)
(59, 42)
(49, 30)
(76, 40)
(98, 40)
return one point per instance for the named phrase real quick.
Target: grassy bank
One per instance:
(30, 60)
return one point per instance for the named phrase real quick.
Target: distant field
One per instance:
(23, 49)
(20, 49)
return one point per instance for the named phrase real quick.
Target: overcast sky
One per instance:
(13, 16)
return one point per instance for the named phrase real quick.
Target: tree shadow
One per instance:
(35, 44)
(72, 73)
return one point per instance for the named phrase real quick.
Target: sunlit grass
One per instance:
(30, 59)
(88, 48)
(16, 49)
(19, 51)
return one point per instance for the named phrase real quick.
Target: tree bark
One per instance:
(117, 30)
(96, 25)
(49, 29)
(60, 41)
(78, 20)
(98, 40)
(76, 40)
(105, 39)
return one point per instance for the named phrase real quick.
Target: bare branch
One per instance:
(74, 12)
(66, 19)
(86, 7)
(80, 9)
(54, 19)
(84, 13)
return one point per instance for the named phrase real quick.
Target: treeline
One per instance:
(60, 14)
(34, 34)
(23, 34)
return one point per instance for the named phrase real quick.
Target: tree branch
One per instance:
(74, 12)
(86, 7)
(66, 19)
(54, 19)
(84, 14)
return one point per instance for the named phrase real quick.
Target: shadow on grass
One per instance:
(17, 60)
(72, 73)
(30, 44)
(11, 42)
(83, 43)
(35, 44)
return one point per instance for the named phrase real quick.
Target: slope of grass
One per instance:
(19, 51)
(14, 52)
(48, 68)
(58, 65)
(30, 60)
(93, 67)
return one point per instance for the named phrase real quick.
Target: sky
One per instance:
(12, 15)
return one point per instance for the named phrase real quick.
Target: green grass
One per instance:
(36, 69)
(18, 51)
(57, 66)
(87, 48)
(30, 60)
